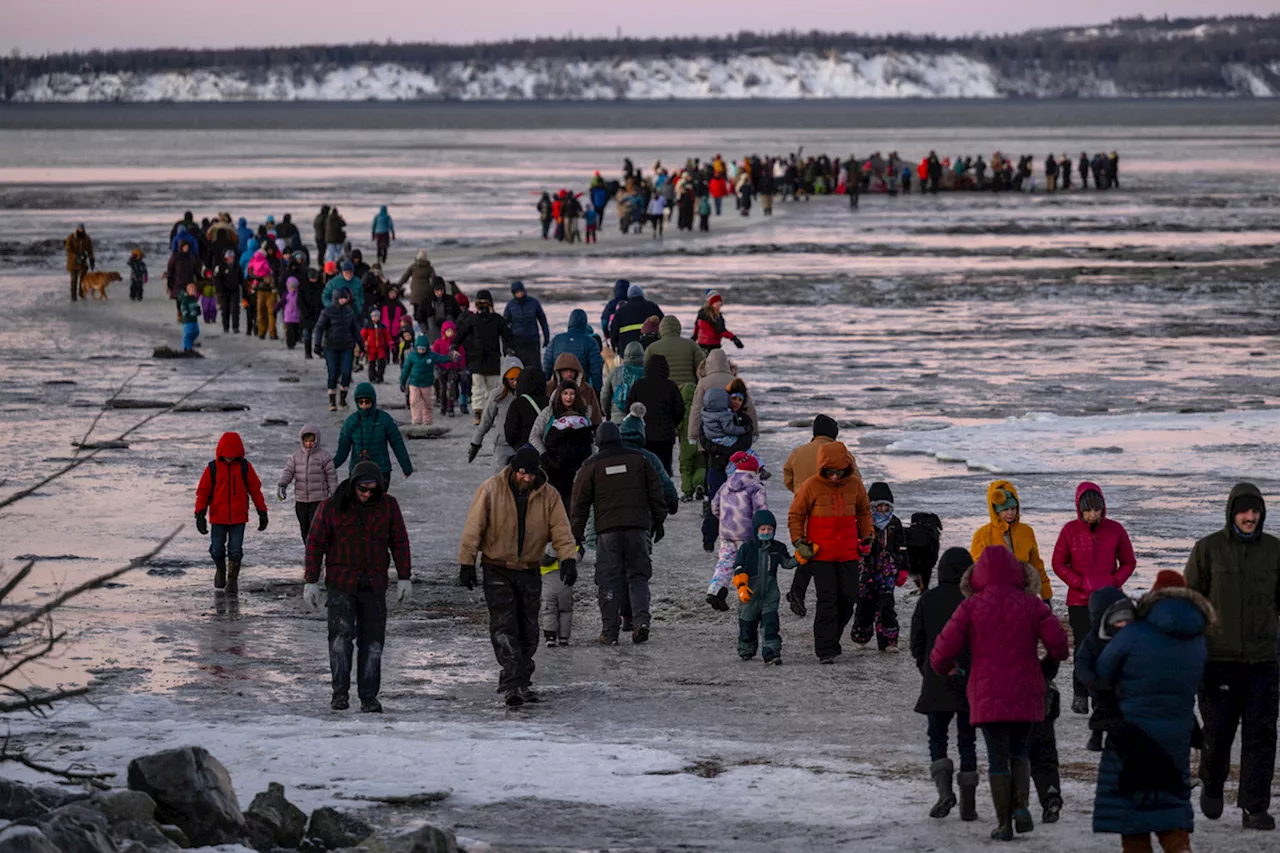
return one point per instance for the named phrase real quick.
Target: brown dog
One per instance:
(97, 282)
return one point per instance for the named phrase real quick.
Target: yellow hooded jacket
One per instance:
(1023, 537)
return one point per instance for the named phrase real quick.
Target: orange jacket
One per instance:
(1023, 537)
(832, 516)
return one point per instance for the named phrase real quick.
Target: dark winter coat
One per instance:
(336, 329)
(1156, 663)
(483, 335)
(310, 302)
(432, 313)
(352, 542)
(1241, 579)
(940, 693)
(366, 434)
(1088, 559)
(183, 269)
(1086, 657)
(623, 489)
(760, 561)
(531, 399)
(663, 403)
(620, 288)
(318, 224)
(683, 355)
(1001, 624)
(225, 488)
(628, 320)
(576, 341)
(526, 317)
(335, 228)
(422, 274)
(228, 280)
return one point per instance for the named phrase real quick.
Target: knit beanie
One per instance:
(650, 326)
(608, 434)
(635, 291)
(484, 296)
(1169, 579)
(526, 461)
(880, 493)
(744, 461)
(827, 426)
(462, 300)
(1247, 502)
(713, 296)
(633, 427)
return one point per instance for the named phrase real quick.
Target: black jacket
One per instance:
(521, 413)
(336, 329)
(227, 279)
(623, 488)
(664, 407)
(483, 336)
(310, 303)
(628, 319)
(933, 611)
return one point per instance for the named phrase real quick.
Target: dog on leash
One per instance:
(97, 282)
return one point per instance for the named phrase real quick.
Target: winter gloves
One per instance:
(202, 523)
(805, 550)
(262, 519)
(282, 492)
(404, 592)
(658, 532)
(569, 572)
(737, 343)
(471, 453)
(311, 595)
(467, 576)
(902, 578)
(744, 591)
(864, 547)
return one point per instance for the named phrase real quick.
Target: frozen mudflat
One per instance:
(1125, 337)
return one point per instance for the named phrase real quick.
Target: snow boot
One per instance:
(306, 350)
(640, 634)
(1080, 705)
(371, 706)
(333, 401)
(1052, 810)
(339, 702)
(719, 600)
(1095, 742)
(512, 698)
(1211, 803)
(342, 398)
(606, 640)
(529, 695)
(550, 637)
(233, 578)
(797, 604)
(1259, 820)
(219, 574)
(1002, 799)
(564, 641)
(968, 794)
(943, 773)
(1022, 821)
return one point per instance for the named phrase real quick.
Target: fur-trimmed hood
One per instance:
(1148, 603)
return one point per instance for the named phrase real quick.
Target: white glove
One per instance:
(282, 493)
(311, 595)
(404, 592)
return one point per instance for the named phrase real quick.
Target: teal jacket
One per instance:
(188, 309)
(419, 369)
(761, 561)
(368, 434)
(354, 286)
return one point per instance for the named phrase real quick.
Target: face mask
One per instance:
(881, 519)
(765, 537)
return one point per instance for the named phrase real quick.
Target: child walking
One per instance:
(450, 372)
(209, 298)
(189, 317)
(313, 470)
(137, 274)
(592, 218)
(704, 212)
(222, 498)
(292, 314)
(735, 505)
(418, 379)
(557, 602)
(884, 569)
(755, 568)
(1109, 611)
(377, 345)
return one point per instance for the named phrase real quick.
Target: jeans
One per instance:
(514, 597)
(359, 617)
(623, 570)
(1246, 696)
(717, 201)
(190, 331)
(1005, 742)
(226, 540)
(339, 361)
(966, 738)
(332, 251)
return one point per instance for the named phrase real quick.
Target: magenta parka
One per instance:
(1087, 559)
(1001, 623)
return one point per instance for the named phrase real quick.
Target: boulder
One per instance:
(77, 829)
(274, 820)
(122, 804)
(19, 801)
(193, 791)
(25, 839)
(425, 839)
(175, 834)
(147, 834)
(330, 829)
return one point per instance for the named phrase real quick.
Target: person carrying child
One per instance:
(884, 569)
(222, 499)
(449, 374)
(735, 505)
(755, 576)
(137, 274)
(1007, 529)
(312, 468)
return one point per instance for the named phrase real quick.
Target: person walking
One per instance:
(336, 337)
(495, 415)
(354, 536)
(623, 490)
(1238, 570)
(483, 335)
(335, 234)
(80, 258)
(321, 220)
(514, 515)
(311, 468)
(524, 315)
(421, 275)
(227, 485)
(577, 341)
(801, 464)
(683, 359)
(367, 433)
(627, 322)
(383, 232)
(663, 405)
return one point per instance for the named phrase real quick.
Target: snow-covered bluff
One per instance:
(800, 75)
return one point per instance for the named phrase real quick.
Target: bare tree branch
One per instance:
(69, 773)
(18, 578)
(103, 410)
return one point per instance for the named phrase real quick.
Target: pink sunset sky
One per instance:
(44, 26)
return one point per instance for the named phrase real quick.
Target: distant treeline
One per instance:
(1139, 54)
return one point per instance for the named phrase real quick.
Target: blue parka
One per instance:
(382, 223)
(525, 317)
(620, 288)
(366, 434)
(577, 341)
(243, 233)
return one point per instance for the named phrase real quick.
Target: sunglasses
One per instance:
(832, 472)
(366, 490)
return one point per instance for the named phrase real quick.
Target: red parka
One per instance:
(1001, 623)
(1088, 559)
(226, 486)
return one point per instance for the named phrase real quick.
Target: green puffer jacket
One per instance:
(188, 309)
(683, 355)
(368, 434)
(419, 368)
(761, 561)
(1242, 581)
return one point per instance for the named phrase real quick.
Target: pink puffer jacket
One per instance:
(1087, 559)
(1001, 623)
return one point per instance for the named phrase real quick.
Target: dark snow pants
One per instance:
(1078, 617)
(836, 587)
(623, 570)
(1006, 743)
(514, 597)
(306, 511)
(966, 738)
(761, 632)
(357, 618)
(1247, 696)
(527, 350)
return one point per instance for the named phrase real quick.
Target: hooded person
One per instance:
(567, 438)
(335, 234)
(346, 278)
(420, 274)
(243, 232)
(620, 288)
(484, 334)
(1092, 552)
(311, 468)
(495, 414)
(617, 385)
(569, 369)
(368, 433)
(734, 506)
(683, 355)
(514, 516)
(628, 319)
(755, 577)
(716, 372)
(354, 537)
(1007, 529)
(1109, 610)
(418, 379)
(436, 308)
(525, 318)
(663, 405)
(336, 337)
(382, 232)
(579, 342)
(1238, 570)
(634, 435)
(942, 697)
(531, 400)
(227, 485)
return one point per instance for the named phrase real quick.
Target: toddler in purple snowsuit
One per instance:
(734, 504)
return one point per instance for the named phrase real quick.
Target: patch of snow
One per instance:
(1245, 79)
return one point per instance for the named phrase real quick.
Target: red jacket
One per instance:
(1091, 559)
(351, 544)
(718, 187)
(832, 516)
(377, 342)
(225, 487)
(1001, 624)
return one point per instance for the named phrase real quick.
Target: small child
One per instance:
(557, 602)
(315, 474)
(885, 568)
(755, 576)
(593, 222)
(704, 212)
(222, 497)
(735, 505)
(189, 317)
(209, 298)
(394, 314)
(249, 302)
(292, 314)
(447, 377)
(1109, 611)
(137, 274)
(418, 379)
(377, 345)
(1042, 747)
(1006, 528)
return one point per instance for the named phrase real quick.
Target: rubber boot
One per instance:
(968, 795)
(333, 401)
(219, 574)
(1002, 799)
(342, 398)
(233, 578)
(1022, 821)
(943, 773)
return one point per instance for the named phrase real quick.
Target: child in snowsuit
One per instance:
(735, 506)
(1007, 529)
(189, 317)
(1109, 611)
(418, 379)
(222, 497)
(316, 476)
(377, 345)
(137, 274)
(755, 569)
(292, 314)
(885, 568)
(449, 373)
(593, 223)
(209, 298)
(557, 602)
